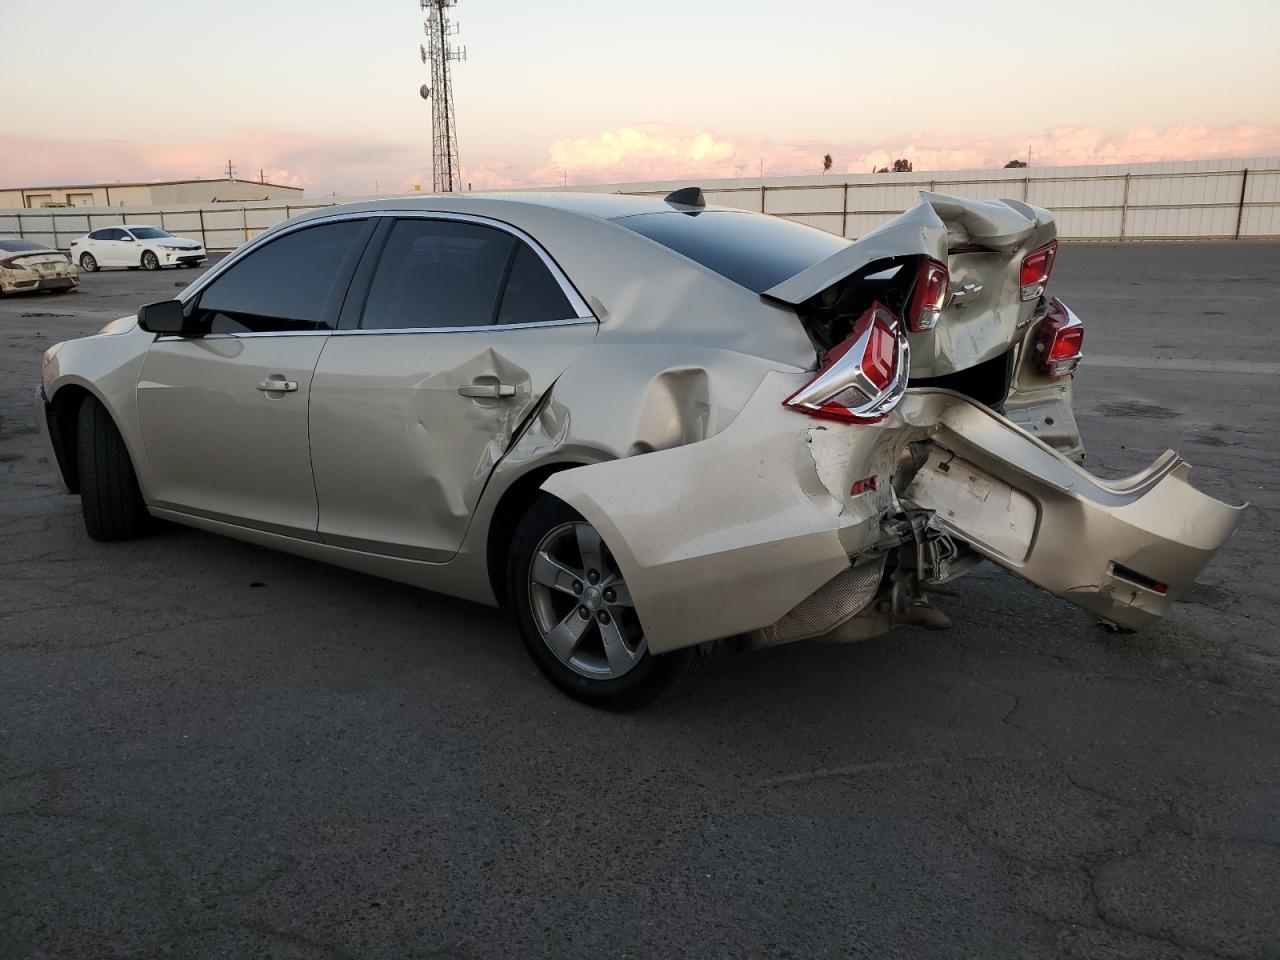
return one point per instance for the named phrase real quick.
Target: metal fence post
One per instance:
(204, 241)
(54, 221)
(244, 225)
(1244, 183)
(20, 233)
(1124, 207)
(1026, 189)
(844, 213)
(763, 188)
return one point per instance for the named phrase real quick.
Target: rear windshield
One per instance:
(757, 252)
(14, 245)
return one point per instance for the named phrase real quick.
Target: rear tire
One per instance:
(651, 677)
(88, 263)
(109, 494)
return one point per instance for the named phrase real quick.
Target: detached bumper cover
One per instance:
(1124, 550)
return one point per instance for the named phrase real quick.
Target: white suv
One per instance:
(135, 245)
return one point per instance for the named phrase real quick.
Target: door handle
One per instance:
(270, 385)
(487, 391)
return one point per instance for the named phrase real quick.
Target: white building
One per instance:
(144, 194)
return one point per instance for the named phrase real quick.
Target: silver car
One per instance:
(646, 426)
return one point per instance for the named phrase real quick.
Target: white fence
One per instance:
(1194, 200)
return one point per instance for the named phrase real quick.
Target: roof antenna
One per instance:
(687, 197)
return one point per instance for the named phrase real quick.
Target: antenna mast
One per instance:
(438, 53)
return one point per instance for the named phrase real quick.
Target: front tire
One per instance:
(560, 567)
(88, 263)
(109, 494)
(149, 260)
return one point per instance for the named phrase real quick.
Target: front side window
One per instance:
(289, 284)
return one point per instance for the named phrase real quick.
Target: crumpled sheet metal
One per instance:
(727, 535)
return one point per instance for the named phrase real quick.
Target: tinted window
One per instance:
(532, 294)
(149, 233)
(284, 285)
(755, 251)
(109, 233)
(14, 245)
(437, 273)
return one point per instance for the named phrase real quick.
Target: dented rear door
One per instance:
(411, 409)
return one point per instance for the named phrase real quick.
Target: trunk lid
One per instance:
(982, 243)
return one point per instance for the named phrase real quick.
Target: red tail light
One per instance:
(1036, 267)
(1059, 339)
(928, 296)
(863, 377)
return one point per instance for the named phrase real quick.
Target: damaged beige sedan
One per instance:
(643, 425)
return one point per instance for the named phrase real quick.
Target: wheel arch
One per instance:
(61, 412)
(511, 506)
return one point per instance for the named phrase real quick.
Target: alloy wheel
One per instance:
(581, 605)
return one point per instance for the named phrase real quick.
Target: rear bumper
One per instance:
(735, 533)
(27, 282)
(1124, 550)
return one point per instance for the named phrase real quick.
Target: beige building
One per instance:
(144, 194)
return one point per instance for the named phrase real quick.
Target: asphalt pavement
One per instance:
(209, 750)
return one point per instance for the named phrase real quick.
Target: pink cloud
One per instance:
(355, 167)
(664, 152)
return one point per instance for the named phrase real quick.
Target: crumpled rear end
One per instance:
(769, 527)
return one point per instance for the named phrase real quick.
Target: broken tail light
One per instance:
(1059, 339)
(924, 308)
(864, 376)
(1036, 267)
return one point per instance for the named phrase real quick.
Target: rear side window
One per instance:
(438, 273)
(109, 233)
(287, 285)
(532, 294)
(755, 251)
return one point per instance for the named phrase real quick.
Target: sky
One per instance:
(324, 94)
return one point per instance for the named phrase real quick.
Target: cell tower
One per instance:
(446, 174)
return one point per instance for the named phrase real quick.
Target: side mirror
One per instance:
(128, 238)
(164, 317)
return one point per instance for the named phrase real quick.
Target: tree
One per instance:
(826, 162)
(901, 165)
(1014, 164)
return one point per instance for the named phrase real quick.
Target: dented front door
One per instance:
(406, 426)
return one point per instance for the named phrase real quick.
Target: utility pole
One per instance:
(438, 53)
(231, 170)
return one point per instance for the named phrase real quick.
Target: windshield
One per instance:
(14, 245)
(149, 233)
(755, 251)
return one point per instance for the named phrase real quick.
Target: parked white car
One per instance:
(135, 245)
